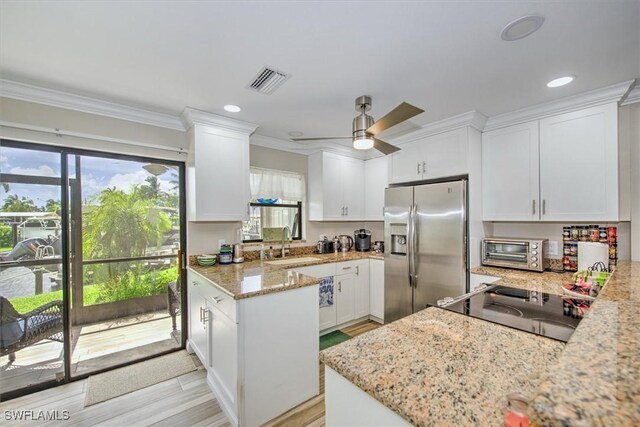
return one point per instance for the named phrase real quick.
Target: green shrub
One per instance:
(136, 284)
(6, 236)
(28, 303)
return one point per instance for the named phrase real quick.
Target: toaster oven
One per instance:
(523, 254)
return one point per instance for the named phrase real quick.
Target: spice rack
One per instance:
(573, 234)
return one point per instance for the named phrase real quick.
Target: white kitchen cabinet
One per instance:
(510, 190)
(336, 187)
(436, 156)
(579, 165)
(560, 168)
(352, 294)
(243, 336)
(345, 300)
(217, 175)
(376, 289)
(376, 180)
(327, 315)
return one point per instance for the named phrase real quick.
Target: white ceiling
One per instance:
(446, 57)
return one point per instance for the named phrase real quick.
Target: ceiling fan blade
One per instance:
(399, 114)
(384, 147)
(321, 139)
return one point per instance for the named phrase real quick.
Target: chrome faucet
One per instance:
(285, 234)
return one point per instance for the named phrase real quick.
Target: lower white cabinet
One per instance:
(376, 289)
(251, 349)
(327, 315)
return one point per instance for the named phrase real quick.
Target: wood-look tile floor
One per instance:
(181, 401)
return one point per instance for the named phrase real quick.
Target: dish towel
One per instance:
(326, 291)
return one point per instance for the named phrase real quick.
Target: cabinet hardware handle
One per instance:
(418, 168)
(342, 211)
(347, 210)
(544, 207)
(205, 317)
(200, 314)
(194, 283)
(424, 167)
(340, 286)
(357, 270)
(347, 268)
(534, 207)
(217, 299)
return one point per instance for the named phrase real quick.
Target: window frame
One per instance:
(280, 205)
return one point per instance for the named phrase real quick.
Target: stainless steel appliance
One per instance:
(540, 313)
(425, 227)
(362, 239)
(378, 246)
(346, 242)
(520, 253)
(238, 253)
(324, 246)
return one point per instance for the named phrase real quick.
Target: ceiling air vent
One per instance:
(267, 80)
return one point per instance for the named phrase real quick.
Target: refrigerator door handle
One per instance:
(412, 244)
(409, 248)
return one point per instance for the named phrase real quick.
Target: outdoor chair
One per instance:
(18, 331)
(173, 297)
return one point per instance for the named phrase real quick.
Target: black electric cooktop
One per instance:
(536, 312)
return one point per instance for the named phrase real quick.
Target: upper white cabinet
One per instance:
(336, 187)
(436, 156)
(561, 168)
(510, 189)
(376, 179)
(217, 167)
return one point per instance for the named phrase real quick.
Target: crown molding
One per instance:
(613, 93)
(191, 116)
(633, 95)
(306, 148)
(84, 104)
(472, 118)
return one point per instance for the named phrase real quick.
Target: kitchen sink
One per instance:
(292, 261)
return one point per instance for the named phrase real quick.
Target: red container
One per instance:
(612, 234)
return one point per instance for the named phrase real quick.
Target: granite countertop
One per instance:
(549, 282)
(256, 278)
(439, 367)
(596, 380)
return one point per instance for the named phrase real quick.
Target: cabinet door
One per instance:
(362, 289)
(406, 164)
(220, 181)
(445, 154)
(510, 176)
(197, 327)
(345, 297)
(327, 314)
(376, 288)
(223, 353)
(352, 183)
(579, 165)
(376, 175)
(332, 201)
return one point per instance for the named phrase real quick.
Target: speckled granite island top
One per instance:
(256, 278)
(437, 367)
(596, 380)
(547, 281)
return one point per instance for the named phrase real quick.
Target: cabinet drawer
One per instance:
(214, 295)
(350, 267)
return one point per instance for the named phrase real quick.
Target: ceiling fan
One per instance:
(365, 129)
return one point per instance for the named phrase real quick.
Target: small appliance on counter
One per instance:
(378, 247)
(226, 254)
(324, 246)
(346, 242)
(336, 244)
(238, 254)
(514, 252)
(362, 239)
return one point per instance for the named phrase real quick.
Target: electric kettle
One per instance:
(346, 242)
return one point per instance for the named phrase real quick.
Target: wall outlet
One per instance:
(221, 242)
(553, 248)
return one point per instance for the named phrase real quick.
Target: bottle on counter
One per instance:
(270, 252)
(263, 253)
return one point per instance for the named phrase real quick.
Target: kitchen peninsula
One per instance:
(255, 328)
(438, 366)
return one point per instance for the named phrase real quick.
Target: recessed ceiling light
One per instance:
(232, 108)
(295, 134)
(561, 81)
(521, 27)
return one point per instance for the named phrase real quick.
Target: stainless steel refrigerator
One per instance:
(425, 231)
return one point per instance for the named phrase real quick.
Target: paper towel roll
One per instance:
(591, 252)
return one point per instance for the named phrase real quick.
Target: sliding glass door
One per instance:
(110, 229)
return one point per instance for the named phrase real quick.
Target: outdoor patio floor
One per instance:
(94, 347)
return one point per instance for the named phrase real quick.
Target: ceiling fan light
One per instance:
(363, 143)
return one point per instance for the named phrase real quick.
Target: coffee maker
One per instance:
(362, 239)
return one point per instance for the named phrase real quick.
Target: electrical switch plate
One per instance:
(553, 248)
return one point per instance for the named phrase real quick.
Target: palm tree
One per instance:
(14, 203)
